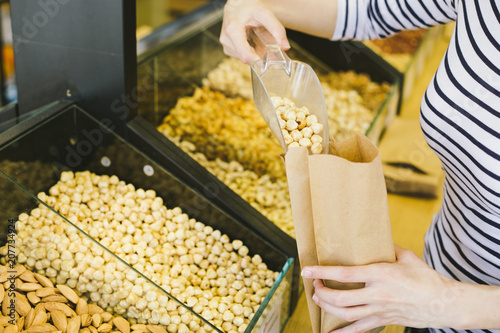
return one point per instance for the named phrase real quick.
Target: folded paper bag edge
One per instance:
(356, 149)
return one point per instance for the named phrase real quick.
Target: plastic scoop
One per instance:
(276, 75)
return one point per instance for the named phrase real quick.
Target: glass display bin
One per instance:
(94, 214)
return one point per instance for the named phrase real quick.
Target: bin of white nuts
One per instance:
(131, 240)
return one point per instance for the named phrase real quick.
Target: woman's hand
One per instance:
(407, 292)
(239, 15)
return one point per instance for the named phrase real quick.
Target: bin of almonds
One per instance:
(222, 130)
(70, 282)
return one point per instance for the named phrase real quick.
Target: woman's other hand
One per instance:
(407, 292)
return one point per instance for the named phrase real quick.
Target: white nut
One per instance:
(291, 125)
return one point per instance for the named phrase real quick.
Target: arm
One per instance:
(335, 19)
(407, 292)
(313, 17)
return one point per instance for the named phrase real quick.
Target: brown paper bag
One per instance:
(340, 213)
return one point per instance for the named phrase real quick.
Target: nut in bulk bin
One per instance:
(64, 314)
(132, 295)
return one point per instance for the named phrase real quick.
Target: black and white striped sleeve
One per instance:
(371, 19)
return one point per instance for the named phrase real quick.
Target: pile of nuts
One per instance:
(270, 197)
(199, 266)
(350, 115)
(32, 303)
(360, 94)
(373, 94)
(231, 76)
(299, 127)
(219, 133)
(244, 108)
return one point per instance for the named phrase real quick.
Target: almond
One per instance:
(20, 269)
(33, 298)
(43, 328)
(4, 320)
(29, 318)
(8, 284)
(28, 276)
(51, 306)
(22, 305)
(55, 298)
(86, 319)
(82, 307)
(3, 277)
(59, 319)
(104, 328)
(156, 329)
(96, 320)
(139, 327)
(7, 301)
(93, 329)
(5, 305)
(85, 330)
(106, 316)
(73, 325)
(20, 324)
(46, 291)
(93, 308)
(68, 293)
(122, 324)
(27, 286)
(40, 316)
(44, 281)
(2, 292)
(10, 329)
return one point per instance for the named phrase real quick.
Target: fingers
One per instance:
(241, 15)
(342, 273)
(349, 314)
(349, 305)
(341, 298)
(235, 44)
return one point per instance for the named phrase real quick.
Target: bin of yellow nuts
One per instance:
(157, 261)
(191, 262)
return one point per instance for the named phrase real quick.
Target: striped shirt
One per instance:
(460, 119)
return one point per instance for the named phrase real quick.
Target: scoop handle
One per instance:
(273, 55)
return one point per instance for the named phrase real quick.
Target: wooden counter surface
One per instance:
(410, 217)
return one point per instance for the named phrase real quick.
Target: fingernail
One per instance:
(305, 273)
(315, 298)
(284, 43)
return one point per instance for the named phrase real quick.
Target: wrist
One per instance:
(473, 306)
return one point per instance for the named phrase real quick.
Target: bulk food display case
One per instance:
(76, 190)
